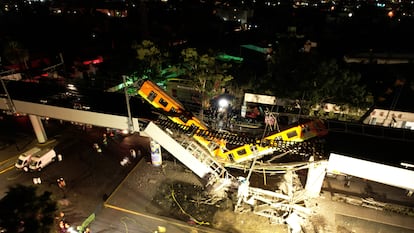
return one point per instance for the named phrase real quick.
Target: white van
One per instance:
(24, 159)
(41, 159)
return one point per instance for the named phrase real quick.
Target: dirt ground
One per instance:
(186, 202)
(178, 193)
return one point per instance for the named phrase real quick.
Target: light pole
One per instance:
(130, 126)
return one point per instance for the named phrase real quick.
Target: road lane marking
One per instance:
(7, 169)
(7, 160)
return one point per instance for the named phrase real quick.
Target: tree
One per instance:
(208, 75)
(203, 72)
(22, 210)
(16, 54)
(151, 60)
(314, 79)
(330, 83)
(284, 71)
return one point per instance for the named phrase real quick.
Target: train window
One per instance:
(231, 157)
(152, 96)
(241, 152)
(163, 102)
(266, 142)
(173, 110)
(183, 119)
(292, 134)
(253, 149)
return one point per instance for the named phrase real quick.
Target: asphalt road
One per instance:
(90, 177)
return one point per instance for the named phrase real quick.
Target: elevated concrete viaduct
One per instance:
(37, 111)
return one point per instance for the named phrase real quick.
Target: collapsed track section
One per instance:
(219, 182)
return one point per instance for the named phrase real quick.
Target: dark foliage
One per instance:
(23, 210)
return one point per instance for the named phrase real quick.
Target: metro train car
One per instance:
(175, 111)
(296, 134)
(301, 132)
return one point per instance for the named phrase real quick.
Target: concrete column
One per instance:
(316, 176)
(38, 128)
(156, 154)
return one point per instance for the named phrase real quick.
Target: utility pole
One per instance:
(130, 126)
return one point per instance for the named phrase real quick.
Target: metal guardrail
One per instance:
(370, 130)
(373, 204)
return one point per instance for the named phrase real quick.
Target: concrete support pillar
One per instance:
(316, 176)
(156, 154)
(38, 128)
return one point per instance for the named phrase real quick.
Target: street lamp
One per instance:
(223, 103)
